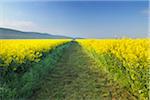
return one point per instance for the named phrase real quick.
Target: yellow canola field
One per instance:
(126, 60)
(20, 51)
(133, 52)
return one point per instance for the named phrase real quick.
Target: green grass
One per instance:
(78, 77)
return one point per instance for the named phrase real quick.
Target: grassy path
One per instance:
(75, 77)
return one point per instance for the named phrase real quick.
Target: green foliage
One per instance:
(135, 80)
(21, 85)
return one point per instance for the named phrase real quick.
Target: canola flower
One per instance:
(127, 60)
(20, 51)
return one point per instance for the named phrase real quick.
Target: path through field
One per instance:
(75, 77)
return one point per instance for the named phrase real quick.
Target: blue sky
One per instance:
(92, 19)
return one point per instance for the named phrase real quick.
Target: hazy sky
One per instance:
(95, 19)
